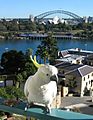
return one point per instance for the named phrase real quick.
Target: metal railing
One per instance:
(56, 114)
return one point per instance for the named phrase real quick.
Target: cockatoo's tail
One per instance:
(35, 62)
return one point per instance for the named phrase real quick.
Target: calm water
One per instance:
(25, 44)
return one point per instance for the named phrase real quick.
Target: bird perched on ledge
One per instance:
(41, 88)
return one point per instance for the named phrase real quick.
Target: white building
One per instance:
(65, 56)
(87, 78)
(55, 20)
(74, 56)
(31, 17)
(78, 78)
(85, 19)
(83, 76)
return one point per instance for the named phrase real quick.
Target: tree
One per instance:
(29, 52)
(48, 49)
(41, 27)
(13, 61)
(17, 63)
(2, 27)
(19, 79)
(12, 25)
(30, 68)
(42, 53)
(72, 83)
(11, 92)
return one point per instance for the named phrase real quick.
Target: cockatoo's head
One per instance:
(46, 71)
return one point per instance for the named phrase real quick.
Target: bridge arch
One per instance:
(43, 15)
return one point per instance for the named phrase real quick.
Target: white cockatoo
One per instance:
(41, 87)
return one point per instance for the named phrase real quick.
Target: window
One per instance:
(84, 78)
(88, 76)
(89, 82)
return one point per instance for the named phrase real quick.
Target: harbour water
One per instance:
(62, 44)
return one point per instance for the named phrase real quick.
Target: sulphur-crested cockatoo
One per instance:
(41, 88)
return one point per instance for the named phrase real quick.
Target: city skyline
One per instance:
(23, 8)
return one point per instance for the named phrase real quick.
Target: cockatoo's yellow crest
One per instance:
(35, 62)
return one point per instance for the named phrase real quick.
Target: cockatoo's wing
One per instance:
(26, 87)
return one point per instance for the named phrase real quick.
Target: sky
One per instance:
(23, 8)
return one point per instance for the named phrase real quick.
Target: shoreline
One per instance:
(42, 37)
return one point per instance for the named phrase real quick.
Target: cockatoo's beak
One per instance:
(54, 78)
(35, 62)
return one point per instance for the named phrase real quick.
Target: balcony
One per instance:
(37, 112)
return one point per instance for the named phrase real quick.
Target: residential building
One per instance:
(88, 60)
(66, 56)
(74, 56)
(78, 78)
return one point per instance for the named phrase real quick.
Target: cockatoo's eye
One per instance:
(47, 74)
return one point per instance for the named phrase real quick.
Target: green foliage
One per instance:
(11, 92)
(13, 61)
(3, 93)
(2, 77)
(42, 52)
(30, 68)
(2, 27)
(24, 75)
(19, 77)
(19, 64)
(72, 83)
(8, 29)
(29, 52)
(21, 67)
(48, 49)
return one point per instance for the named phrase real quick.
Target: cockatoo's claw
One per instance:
(26, 107)
(29, 105)
(46, 110)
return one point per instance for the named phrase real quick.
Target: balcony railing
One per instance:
(37, 112)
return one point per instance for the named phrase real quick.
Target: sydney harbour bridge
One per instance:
(43, 15)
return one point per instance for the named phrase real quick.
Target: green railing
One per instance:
(56, 114)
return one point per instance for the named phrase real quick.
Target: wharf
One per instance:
(41, 36)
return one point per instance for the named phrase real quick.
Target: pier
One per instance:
(42, 36)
